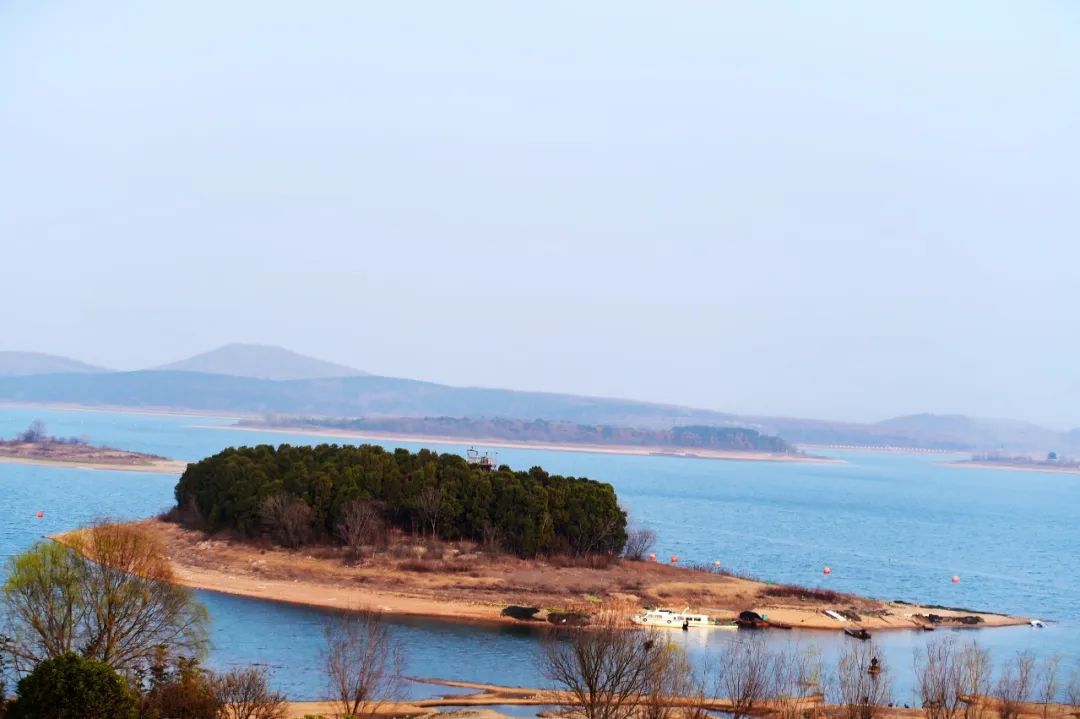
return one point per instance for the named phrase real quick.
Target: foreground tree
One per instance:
(937, 679)
(70, 686)
(1013, 688)
(864, 684)
(796, 681)
(108, 597)
(744, 673)
(182, 691)
(673, 690)
(246, 694)
(973, 679)
(363, 663)
(605, 668)
(1049, 683)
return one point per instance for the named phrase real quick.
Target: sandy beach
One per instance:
(733, 455)
(469, 587)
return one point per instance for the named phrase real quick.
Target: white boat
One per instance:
(1037, 623)
(677, 620)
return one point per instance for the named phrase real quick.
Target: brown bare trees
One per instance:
(245, 694)
(429, 508)
(1013, 687)
(938, 679)
(606, 668)
(363, 662)
(288, 520)
(639, 542)
(864, 684)
(361, 525)
(110, 597)
(1048, 683)
(796, 681)
(744, 674)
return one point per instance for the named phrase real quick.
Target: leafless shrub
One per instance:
(604, 668)
(796, 681)
(744, 672)
(863, 681)
(360, 526)
(937, 672)
(1072, 688)
(673, 690)
(245, 694)
(429, 508)
(639, 542)
(491, 538)
(973, 679)
(1048, 683)
(363, 663)
(796, 591)
(1014, 685)
(288, 520)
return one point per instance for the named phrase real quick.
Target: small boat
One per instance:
(859, 633)
(752, 620)
(675, 620)
(834, 615)
(1037, 623)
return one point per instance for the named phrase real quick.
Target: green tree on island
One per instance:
(300, 494)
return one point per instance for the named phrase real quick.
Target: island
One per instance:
(461, 539)
(35, 445)
(701, 441)
(1021, 462)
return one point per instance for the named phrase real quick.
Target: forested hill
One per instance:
(546, 431)
(302, 494)
(357, 396)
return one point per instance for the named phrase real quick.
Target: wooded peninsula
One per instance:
(541, 431)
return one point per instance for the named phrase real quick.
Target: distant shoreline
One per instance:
(877, 449)
(1010, 466)
(629, 450)
(125, 409)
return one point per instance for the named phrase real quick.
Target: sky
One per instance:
(844, 210)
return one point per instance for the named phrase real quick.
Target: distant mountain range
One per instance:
(260, 362)
(20, 364)
(259, 380)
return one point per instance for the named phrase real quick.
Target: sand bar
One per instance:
(162, 466)
(469, 587)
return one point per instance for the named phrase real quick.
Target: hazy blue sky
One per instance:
(834, 209)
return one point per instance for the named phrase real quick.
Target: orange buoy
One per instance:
(652, 557)
(674, 559)
(827, 570)
(956, 579)
(40, 515)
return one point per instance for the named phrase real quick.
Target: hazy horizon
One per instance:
(848, 212)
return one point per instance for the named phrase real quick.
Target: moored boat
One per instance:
(671, 619)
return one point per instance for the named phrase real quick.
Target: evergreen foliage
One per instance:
(529, 512)
(73, 686)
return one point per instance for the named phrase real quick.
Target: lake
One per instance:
(888, 525)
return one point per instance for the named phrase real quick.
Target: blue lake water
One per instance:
(891, 526)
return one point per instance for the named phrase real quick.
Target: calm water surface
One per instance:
(890, 526)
